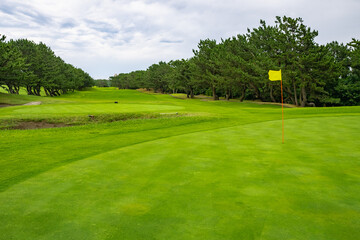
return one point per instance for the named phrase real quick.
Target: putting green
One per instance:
(227, 183)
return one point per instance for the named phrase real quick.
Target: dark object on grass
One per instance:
(91, 117)
(116, 102)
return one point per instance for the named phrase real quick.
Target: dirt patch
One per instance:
(6, 105)
(12, 105)
(32, 103)
(36, 125)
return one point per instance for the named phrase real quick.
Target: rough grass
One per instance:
(34, 122)
(220, 172)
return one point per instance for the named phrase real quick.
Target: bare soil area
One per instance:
(36, 125)
(32, 103)
(5, 105)
(12, 105)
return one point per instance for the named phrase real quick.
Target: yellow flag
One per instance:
(274, 75)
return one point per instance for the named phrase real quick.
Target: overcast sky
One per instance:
(104, 37)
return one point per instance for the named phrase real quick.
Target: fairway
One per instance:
(214, 170)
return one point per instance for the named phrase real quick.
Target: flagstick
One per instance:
(276, 76)
(282, 109)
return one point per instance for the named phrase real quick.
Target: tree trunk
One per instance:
(242, 97)
(46, 92)
(295, 94)
(17, 89)
(215, 97)
(304, 97)
(290, 94)
(29, 90)
(11, 89)
(191, 93)
(37, 90)
(228, 94)
(8, 89)
(256, 91)
(271, 93)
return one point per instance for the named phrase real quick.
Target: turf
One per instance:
(219, 171)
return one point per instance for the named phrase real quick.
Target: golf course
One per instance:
(161, 166)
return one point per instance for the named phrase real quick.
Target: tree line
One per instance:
(237, 67)
(35, 67)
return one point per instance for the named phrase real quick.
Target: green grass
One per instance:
(20, 99)
(217, 170)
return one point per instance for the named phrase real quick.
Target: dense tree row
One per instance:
(24, 63)
(313, 74)
(101, 83)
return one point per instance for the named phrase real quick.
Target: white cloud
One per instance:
(105, 37)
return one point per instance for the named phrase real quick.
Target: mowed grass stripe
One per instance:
(110, 94)
(233, 183)
(37, 158)
(43, 152)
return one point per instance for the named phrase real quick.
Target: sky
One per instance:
(107, 37)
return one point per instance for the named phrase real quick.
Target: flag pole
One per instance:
(276, 76)
(282, 110)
